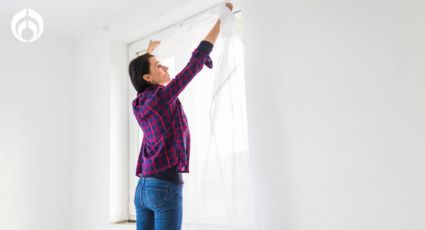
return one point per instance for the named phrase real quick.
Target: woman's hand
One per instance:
(229, 5)
(152, 45)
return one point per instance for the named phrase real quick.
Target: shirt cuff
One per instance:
(202, 52)
(205, 46)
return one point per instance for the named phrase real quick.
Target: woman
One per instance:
(165, 149)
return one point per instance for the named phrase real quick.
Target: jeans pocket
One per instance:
(157, 195)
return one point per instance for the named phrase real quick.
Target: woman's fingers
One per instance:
(152, 45)
(229, 5)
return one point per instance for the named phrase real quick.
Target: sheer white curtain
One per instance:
(217, 191)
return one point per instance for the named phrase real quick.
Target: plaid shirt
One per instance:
(166, 139)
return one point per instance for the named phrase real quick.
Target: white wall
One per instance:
(336, 111)
(96, 59)
(36, 107)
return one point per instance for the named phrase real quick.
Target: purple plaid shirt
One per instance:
(166, 139)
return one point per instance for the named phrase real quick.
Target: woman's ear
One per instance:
(147, 77)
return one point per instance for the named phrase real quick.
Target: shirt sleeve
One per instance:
(200, 57)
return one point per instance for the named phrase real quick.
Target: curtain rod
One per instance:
(182, 21)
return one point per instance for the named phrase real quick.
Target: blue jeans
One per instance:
(158, 204)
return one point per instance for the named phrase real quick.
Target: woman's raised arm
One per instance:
(213, 34)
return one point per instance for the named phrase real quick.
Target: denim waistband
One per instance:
(148, 180)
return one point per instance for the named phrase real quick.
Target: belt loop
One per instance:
(144, 181)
